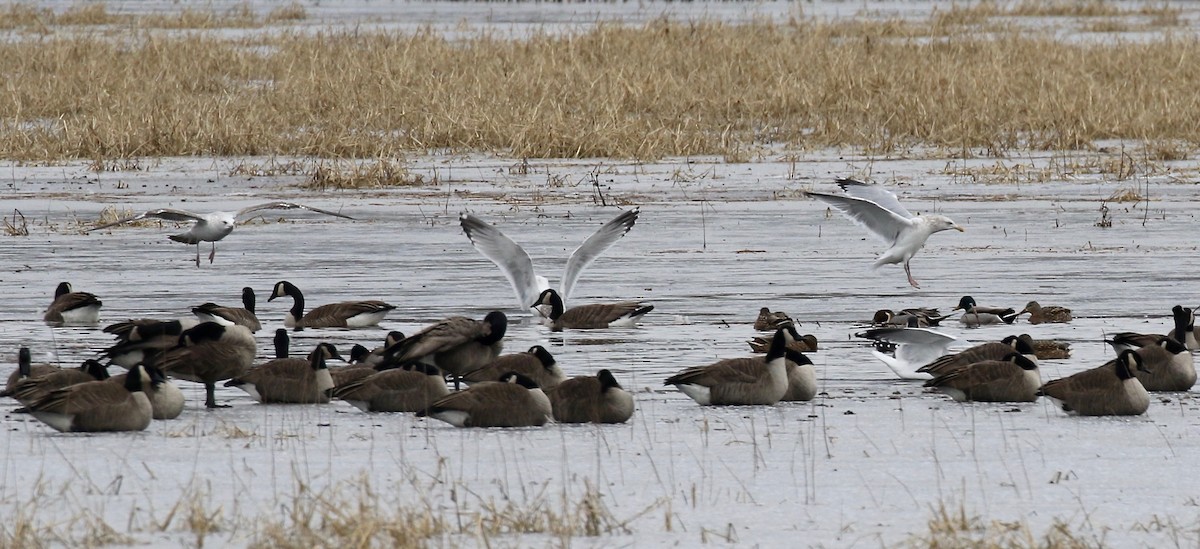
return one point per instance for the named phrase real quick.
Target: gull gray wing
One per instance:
(509, 256)
(166, 214)
(881, 222)
(879, 195)
(286, 206)
(586, 253)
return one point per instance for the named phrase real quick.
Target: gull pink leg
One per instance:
(911, 280)
(213, 253)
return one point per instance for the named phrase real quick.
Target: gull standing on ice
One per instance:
(514, 261)
(210, 227)
(880, 212)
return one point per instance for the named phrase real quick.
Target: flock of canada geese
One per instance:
(414, 373)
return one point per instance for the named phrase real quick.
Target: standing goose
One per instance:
(878, 210)
(994, 350)
(71, 307)
(99, 405)
(517, 267)
(513, 401)
(1014, 379)
(768, 321)
(590, 317)
(166, 400)
(735, 381)
(591, 399)
(1109, 390)
(210, 227)
(32, 389)
(801, 376)
(912, 348)
(144, 340)
(412, 388)
(290, 380)
(1048, 314)
(244, 315)
(537, 364)
(26, 369)
(345, 314)
(456, 345)
(209, 353)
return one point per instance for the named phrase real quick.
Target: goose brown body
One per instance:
(594, 316)
(412, 388)
(537, 364)
(591, 399)
(99, 405)
(1014, 379)
(209, 353)
(514, 401)
(1109, 390)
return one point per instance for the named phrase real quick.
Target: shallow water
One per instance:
(864, 464)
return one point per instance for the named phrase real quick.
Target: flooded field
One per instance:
(868, 463)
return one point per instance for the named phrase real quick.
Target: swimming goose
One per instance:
(591, 399)
(166, 400)
(801, 376)
(768, 321)
(456, 345)
(412, 388)
(244, 315)
(99, 405)
(537, 364)
(513, 401)
(26, 369)
(144, 340)
(914, 347)
(878, 210)
(758, 380)
(210, 227)
(345, 314)
(1048, 314)
(592, 316)
(209, 353)
(994, 350)
(1109, 390)
(71, 307)
(517, 267)
(31, 389)
(1014, 379)
(1048, 349)
(290, 380)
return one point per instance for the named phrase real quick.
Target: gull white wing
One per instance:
(586, 253)
(509, 256)
(286, 206)
(166, 214)
(874, 193)
(885, 224)
(915, 347)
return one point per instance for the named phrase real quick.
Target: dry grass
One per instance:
(954, 528)
(610, 91)
(30, 17)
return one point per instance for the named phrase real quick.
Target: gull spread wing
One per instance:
(880, 221)
(591, 248)
(286, 206)
(915, 347)
(512, 259)
(166, 214)
(879, 195)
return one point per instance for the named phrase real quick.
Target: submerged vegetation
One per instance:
(963, 78)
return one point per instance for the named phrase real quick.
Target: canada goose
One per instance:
(590, 317)
(591, 399)
(801, 376)
(513, 401)
(26, 369)
(412, 388)
(1014, 379)
(768, 321)
(517, 267)
(244, 315)
(1048, 349)
(806, 343)
(32, 389)
(290, 380)
(166, 400)
(758, 380)
(99, 405)
(1048, 314)
(456, 345)
(345, 314)
(374, 357)
(1166, 366)
(210, 227)
(144, 339)
(209, 353)
(365, 362)
(913, 348)
(1185, 327)
(71, 307)
(1098, 392)
(877, 210)
(537, 364)
(995, 350)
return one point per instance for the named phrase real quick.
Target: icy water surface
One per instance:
(865, 464)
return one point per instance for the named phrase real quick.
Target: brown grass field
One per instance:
(87, 83)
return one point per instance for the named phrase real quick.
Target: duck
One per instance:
(1048, 349)
(26, 369)
(806, 343)
(924, 317)
(1013, 379)
(455, 345)
(591, 399)
(345, 314)
(1044, 315)
(290, 380)
(768, 321)
(537, 364)
(99, 405)
(244, 315)
(31, 389)
(738, 381)
(208, 353)
(512, 401)
(72, 308)
(912, 347)
(1110, 390)
(412, 388)
(974, 316)
(590, 317)
(994, 350)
